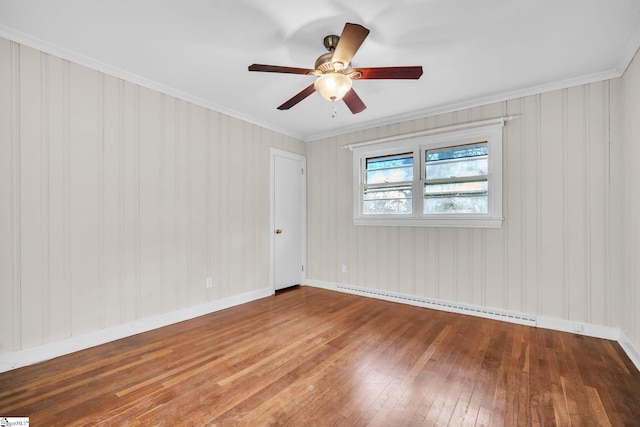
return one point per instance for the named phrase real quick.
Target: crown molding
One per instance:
(477, 102)
(80, 59)
(626, 57)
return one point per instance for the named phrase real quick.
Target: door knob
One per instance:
(278, 231)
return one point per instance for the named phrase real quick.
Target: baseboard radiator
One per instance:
(478, 311)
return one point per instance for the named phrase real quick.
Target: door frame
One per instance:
(273, 153)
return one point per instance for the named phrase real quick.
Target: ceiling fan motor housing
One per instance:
(323, 63)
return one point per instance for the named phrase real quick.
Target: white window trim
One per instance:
(491, 133)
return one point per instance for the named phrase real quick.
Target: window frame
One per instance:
(418, 144)
(389, 186)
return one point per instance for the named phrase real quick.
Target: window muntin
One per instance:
(456, 180)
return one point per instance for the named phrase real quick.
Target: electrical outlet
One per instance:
(344, 268)
(209, 282)
(578, 327)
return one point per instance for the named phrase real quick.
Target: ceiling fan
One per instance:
(334, 76)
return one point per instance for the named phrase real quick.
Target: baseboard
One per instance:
(32, 355)
(630, 348)
(443, 305)
(29, 356)
(580, 328)
(587, 329)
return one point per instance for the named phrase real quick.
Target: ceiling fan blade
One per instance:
(354, 102)
(350, 41)
(298, 97)
(279, 69)
(390, 72)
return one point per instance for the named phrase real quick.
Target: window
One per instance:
(456, 179)
(388, 187)
(446, 179)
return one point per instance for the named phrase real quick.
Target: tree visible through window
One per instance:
(388, 184)
(456, 179)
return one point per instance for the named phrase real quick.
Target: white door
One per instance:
(288, 225)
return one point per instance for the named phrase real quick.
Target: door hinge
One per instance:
(303, 268)
(302, 171)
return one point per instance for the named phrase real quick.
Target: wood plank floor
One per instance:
(312, 357)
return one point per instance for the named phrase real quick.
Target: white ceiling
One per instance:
(472, 52)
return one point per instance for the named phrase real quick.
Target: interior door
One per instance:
(288, 218)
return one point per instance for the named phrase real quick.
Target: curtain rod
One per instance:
(467, 125)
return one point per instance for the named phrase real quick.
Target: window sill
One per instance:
(441, 221)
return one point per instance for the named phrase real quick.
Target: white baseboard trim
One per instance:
(587, 329)
(580, 328)
(29, 356)
(630, 348)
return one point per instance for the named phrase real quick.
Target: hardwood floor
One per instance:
(311, 357)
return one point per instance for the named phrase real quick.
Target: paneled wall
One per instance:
(630, 200)
(116, 202)
(554, 255)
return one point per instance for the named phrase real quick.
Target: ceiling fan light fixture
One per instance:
(333, 73)
(333, 86)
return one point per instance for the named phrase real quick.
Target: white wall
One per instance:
(554, 256)
(116, 202)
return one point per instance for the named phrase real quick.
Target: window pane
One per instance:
(389, 169)
(387, 200)
(460, 151)
(456, 197)
(455, 205)
(455, 162)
